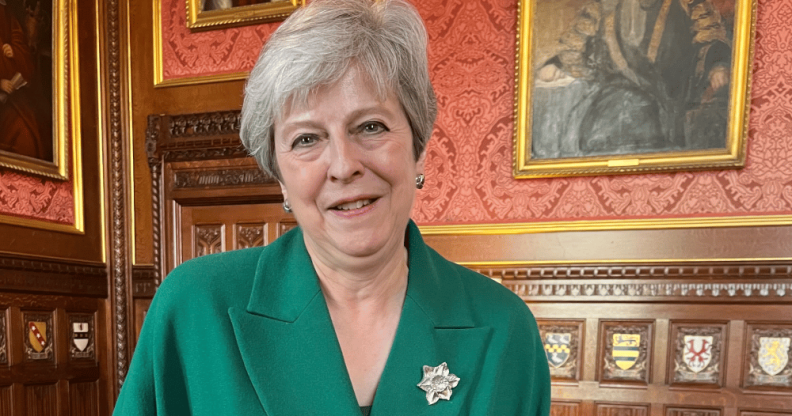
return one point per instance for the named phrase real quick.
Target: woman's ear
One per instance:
(283, 191)
(419, 164)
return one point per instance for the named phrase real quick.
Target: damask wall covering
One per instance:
(27, 196)
(472, 48)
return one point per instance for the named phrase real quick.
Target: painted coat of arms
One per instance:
(698, 352)
(773, 354)
(626, 349)
(557, 348)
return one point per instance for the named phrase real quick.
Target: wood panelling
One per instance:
(558, 408)
(613, 409)
(41, 399)
(83, 398)
(5, 400)
(689, 411)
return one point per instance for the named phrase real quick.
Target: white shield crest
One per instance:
(698, 352)
(80, 335)
(773, 354)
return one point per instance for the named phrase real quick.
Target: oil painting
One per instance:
(625, 86)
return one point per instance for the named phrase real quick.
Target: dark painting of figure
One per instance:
(227, 4)
(635, 77)
(26, 105)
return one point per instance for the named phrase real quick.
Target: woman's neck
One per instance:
(379, 282)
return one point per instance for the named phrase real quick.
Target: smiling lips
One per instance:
(355, 207)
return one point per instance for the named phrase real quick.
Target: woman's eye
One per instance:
(304, 141)
(373, 127)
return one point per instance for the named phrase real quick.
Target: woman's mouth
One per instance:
(353, 205)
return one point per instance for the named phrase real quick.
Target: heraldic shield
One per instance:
(557, 348)
(626, 348)
(773, 354)
(698, 352)
(37, 334)
(81, 335)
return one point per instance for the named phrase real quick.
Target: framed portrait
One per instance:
(214, 14)
(39, 91)
(631, 86)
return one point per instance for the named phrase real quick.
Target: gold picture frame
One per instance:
(65, 101)
(66, 128)
(226, 14)
(572, 132)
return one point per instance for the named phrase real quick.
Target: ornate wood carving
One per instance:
(208, 239)
(698, 353)
(768, 363)
(198, 136)
(118, 197)
(144, 282)
(613, 409)
(564, 409)
(82, 331)
(250, 235)
(625, 351)
(286, 225)
(563, 341)
(38, 339)
(688, 411)
(219, 178)
(3, 337)
(19, 273)
(41, 399)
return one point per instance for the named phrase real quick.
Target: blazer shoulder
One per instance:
(222, 277)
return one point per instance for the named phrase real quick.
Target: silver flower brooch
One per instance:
(437, 383)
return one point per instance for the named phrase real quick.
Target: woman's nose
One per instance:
(345, 159)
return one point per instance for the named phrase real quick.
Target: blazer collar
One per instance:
(292, 356)
(285, 282)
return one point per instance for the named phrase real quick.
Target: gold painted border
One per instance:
(67, 126)
(733, 156)
(238, 16)
(607, 225)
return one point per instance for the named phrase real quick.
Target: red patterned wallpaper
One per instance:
(470, 156)
(33, 197)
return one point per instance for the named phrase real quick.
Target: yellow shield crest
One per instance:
(37, 334)
(626, 348)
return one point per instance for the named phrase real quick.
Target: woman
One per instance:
(351, 312)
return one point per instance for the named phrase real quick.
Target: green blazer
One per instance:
(248, 333)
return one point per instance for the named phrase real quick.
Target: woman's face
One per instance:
(347, 168)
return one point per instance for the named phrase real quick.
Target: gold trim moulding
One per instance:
(42, 224)
(606, 225)
(238, 16)
(160, 82)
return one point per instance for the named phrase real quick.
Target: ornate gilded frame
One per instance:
(732, 156)
(67, 148)
(198, 19)
(66, 92)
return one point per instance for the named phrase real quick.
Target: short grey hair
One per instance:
(385, 39)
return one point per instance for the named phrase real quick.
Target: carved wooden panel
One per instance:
(41, 399)
(760, 413)
(3, 338)
(83, 399)
(558, 408)
(38, 337)
(563, 341)
(768, 364)
(615, 409)
(82, 331)
(250, 235)
(208, 239)
(688, 411)
(625, 351)
(697, 353)
(285, 225)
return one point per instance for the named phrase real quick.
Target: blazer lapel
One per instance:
(436, 326)
(286, 337)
